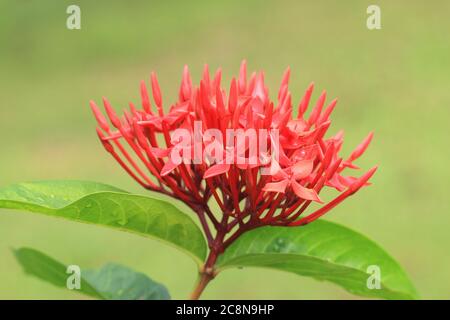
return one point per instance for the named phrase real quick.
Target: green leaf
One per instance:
(112, 281)
(117, 282)
(324, 251)
(104, 205)
(43, 267)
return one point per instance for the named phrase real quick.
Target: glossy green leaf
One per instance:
(325, 251)
(104, 205)
(45, 268)
(117, 282)
(112, 281)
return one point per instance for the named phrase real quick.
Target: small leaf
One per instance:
(104, 205)
(117, 282)
(45, 268)
(324, 251)
(112, 281)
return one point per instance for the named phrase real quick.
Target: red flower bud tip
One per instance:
(206, 75)
(284, 82)
(232, 103)
(132, 109)
(112, 114)
(305, 100)
(243, 77)
(361, 148)
(144, 97)
(363, 180)
(156, 93)
(217, 78)
(315, 113)
(326, 114)
(101, 120)
(186, 85)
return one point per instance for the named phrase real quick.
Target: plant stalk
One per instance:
(217, 247)
(206, 274)
(203, 281)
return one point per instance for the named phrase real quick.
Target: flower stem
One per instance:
(206, 274)
(203, 281)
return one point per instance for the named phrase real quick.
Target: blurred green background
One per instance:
(394, 81)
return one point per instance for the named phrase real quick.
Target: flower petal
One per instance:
(302, 169)
(305, 193)
(168, 168)
(361, 147)
(160, 153)
(276, 186)
(276, 172)
(216, 170)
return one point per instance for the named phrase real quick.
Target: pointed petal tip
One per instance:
(156, 91)
(373, 170)
(362, 147)
(101, 120)
(325, 125)
(361, 181)
(94, 107)
(216, 170)
(369, 174)
(115, 120)
(278, 187)
(305, 193)
(332, 104)
(168, 167)
(99, 133)
(107, 105)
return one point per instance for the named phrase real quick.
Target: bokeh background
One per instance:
(394, 81)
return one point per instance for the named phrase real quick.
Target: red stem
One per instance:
(206, 274)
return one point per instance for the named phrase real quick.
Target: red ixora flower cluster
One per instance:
(307, 160)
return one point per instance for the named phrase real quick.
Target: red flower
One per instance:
(300, 163)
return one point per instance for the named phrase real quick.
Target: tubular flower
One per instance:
(276, 188)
